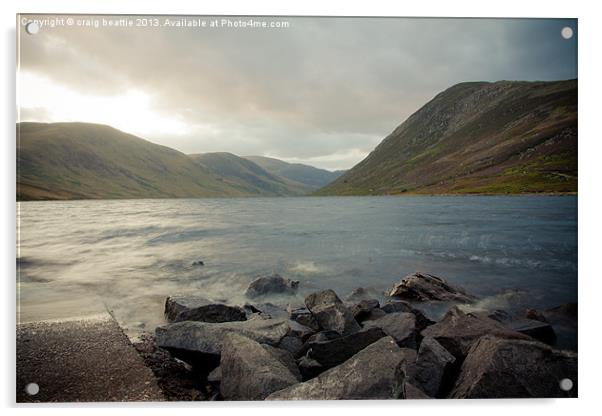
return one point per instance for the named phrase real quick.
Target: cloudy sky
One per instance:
(323, 91)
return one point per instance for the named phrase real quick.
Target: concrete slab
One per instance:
(82, 360)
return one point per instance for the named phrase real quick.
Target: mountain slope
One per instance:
(478, 137)
(82, 160)
(308, 175)
(247, 176)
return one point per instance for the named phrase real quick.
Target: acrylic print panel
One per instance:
(285, 208)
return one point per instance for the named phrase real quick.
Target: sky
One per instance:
(320, 91)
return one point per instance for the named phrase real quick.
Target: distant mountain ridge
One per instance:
(308, 175)
(477, 137)
(92, 161)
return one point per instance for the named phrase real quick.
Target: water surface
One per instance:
(130, 254)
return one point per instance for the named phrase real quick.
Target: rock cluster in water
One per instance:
(330, 349)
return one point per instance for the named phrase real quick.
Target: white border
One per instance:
(590, 152)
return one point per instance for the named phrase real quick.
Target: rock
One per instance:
(370, 374)
(198, 263)
(535, 315)
(249, 371)
(200, 343)
(271, 284)
(425, 287)
(457, 331)
(331, 313)
(309, 368)
(401, 306)
(433, 369)
(361, 293)
(286, 359)
(298, 330)
(401, 326)
(508, 368)
(196, 308)
(304, 317)
(332, 352)
(266, 310)
(535, 329)
(291, 344)
(215, 377)
(411, 392)
(362, 310)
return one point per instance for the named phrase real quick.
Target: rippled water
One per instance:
(130, 254)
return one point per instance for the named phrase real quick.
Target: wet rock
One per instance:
(200, 343)
(286, 359)
(504, 368)
(332, 352)
(370, 374)
(266, 310)
(362, 310)
(330, 312)
(425, 287)
(196, 308)
(401, 326)
(457, 331)
(250, 371)
(271, 284)
(401, 306)
(433, 369)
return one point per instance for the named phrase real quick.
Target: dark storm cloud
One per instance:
(322, 90)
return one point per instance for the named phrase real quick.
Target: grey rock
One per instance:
(298, 330)
(457, 331)
(432, 370)
(291, 344)
(250, 371)
(304, 317)
(411, 392)
(362, 293)
(271, 284)
(541, 331)
(330, 312)
(504, 368)
(215, 377)
(196, 308)
(266, 310)
(362, 310)
(200, 343)
(401, 306)
(285, 357)
(370, 374)
(399, 325)
(332, 352)
(425, 287)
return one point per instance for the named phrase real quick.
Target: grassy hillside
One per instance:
(308, 175)
(81, 160)
(478, 137)
(249, 177)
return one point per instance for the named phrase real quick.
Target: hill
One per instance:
(477, 137)
(308, 175)
(90, 161)
(249, 177)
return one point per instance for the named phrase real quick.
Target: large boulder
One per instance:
(303, 316)
(433, 369)
(457, 331)
(200, 343)
(402, 306)
(251, 371)
(330, 312)
(370, 374)
(271, 284)
(541, 331)
(195, 308)
(332, 352)
(426, 287)
(508, 368)
(401, 326)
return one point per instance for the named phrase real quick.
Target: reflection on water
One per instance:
(129, 254)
